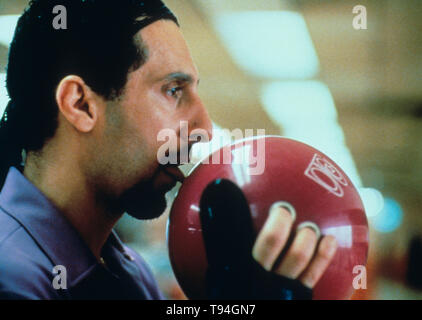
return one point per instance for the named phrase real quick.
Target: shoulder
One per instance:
(25, 271)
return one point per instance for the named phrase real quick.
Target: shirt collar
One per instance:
(59, 240)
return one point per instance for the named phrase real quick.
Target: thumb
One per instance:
(226, 224)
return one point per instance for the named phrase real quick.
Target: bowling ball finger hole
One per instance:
(310, 225)
(287, 206)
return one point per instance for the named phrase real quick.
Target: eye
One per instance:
(175, 92)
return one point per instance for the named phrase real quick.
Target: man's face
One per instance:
(159, 95)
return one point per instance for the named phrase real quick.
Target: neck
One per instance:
(63, 183)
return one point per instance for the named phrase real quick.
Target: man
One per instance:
(87, 104)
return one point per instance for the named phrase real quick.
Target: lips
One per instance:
(174, 172)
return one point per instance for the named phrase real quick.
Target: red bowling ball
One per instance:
(269, 169)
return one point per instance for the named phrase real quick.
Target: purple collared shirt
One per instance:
(35, 237)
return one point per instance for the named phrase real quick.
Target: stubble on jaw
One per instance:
(119, 184)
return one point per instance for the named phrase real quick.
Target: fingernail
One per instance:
(310, 225)
(284, 205)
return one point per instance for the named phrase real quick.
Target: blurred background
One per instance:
(300, 69)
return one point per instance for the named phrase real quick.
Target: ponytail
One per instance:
(10, 141)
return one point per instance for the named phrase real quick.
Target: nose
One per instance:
(202, 122)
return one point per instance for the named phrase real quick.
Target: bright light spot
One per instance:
(390, 217)
(372, 200)
(7, 28)
(325, 136)
(343, 235)
(4, 98)
(269, 44)
(306, 112)
(291, 103)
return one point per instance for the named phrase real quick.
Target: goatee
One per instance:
(143, 202)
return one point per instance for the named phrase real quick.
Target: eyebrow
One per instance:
(179, 76)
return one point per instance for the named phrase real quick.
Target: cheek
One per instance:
(149, 133)
(138, 129)
(136, 157)
(122, 156)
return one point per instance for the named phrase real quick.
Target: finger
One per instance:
(272, 237)
(326, 251)
(299, 254)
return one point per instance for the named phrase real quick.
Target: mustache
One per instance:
(181, 157)
(142, 201)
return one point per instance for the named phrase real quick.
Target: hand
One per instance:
(305, 259)
(240, 267)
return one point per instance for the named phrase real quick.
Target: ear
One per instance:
(77, 103)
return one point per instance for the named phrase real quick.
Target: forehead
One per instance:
(167, 51)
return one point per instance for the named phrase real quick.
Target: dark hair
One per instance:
(98, 45)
